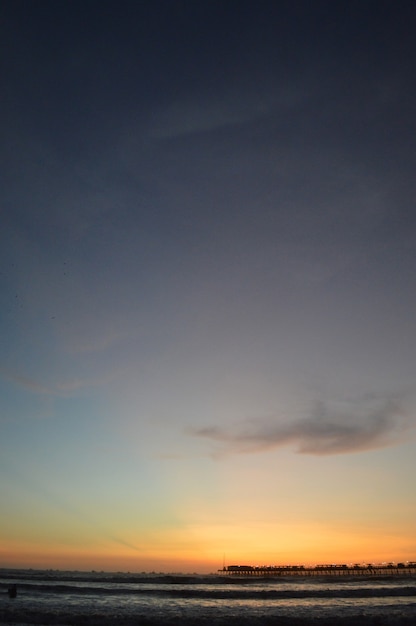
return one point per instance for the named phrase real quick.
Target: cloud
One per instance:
(61, 389)
(205, 113)
(330, 428)
(25, 382)
(50, 497)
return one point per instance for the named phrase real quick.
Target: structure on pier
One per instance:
(370, 569)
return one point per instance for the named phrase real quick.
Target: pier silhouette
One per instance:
(388, 569)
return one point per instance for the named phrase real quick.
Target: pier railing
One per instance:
(320, 570)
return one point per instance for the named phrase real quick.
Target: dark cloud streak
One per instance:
(358, 427)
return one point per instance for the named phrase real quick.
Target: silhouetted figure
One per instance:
(12, 591)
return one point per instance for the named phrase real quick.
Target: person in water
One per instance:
(12, 591)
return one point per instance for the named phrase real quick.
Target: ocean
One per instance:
(98, 598)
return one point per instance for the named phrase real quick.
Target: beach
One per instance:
(102, 599)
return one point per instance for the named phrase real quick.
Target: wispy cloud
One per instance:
(25, 382)
(30, 483)
(330, 428)
(204, 113)
(62, 388)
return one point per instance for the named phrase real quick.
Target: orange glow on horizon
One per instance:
(207, 549)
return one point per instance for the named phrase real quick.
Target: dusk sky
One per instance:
(208, 283)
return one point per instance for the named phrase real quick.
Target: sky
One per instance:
(207, 287)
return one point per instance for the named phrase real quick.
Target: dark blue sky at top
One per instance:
(209, 172)
(76, 75)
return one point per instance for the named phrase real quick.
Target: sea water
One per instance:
(90, 599)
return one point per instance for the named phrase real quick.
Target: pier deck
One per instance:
(320, 570)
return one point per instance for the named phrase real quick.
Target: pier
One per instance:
(389, 569)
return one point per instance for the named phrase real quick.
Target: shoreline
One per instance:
(352, 620)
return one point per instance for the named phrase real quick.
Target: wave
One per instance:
(101, 599)
(217, 593)
(55, 576)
